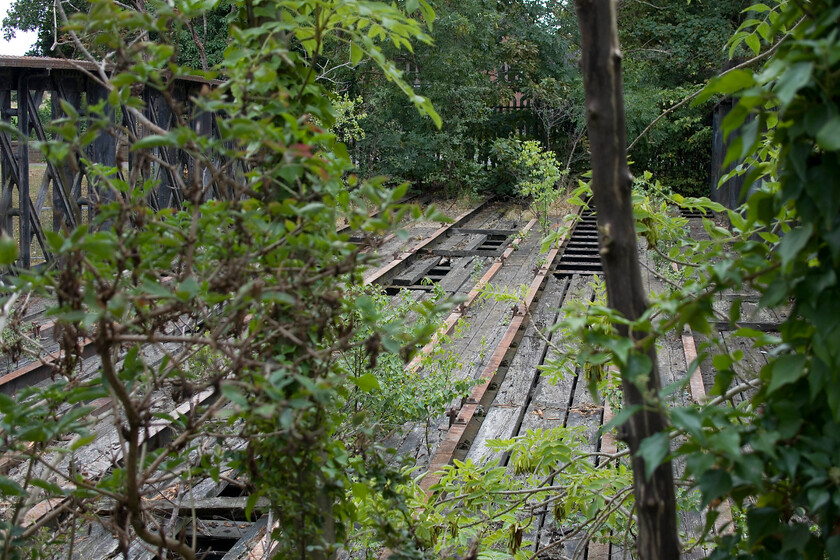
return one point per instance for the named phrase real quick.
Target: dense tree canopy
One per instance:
(671, 48)
(485, 55)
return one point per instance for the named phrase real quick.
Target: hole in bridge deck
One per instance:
(210, 548)
(214, 538)
(581, 253)
(232, 491)
(214, 548)
(437, 273)
(492, 242)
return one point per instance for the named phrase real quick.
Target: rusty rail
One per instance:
(446, 449)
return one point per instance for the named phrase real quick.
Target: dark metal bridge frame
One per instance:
(66, 189)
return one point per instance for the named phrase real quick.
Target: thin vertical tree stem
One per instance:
(611, 187)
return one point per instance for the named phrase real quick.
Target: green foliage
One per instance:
(558, 103)
(790, 468)
(483, 54)
(201, 41)
(670, 49)
(481, 508)
(389, 394)
(537, 174)
(248, 297)
(8, 250)
(348, 114)
(771, 456)
(677, 150)
(539, 180)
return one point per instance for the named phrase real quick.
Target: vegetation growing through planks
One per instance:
(258, 287)
(539, 178)
(390, 394)
(772, 457)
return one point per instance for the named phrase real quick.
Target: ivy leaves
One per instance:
(785, 127)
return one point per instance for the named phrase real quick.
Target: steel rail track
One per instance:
(405, 258)
(447, 448)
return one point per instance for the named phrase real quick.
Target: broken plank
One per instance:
(466, 253)
(233, 507)
(480, 231)
(415, 273)
(462, 270)
(255, 544)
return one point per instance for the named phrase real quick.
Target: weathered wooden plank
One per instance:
(672, 357)
(253, 545)
(403, 260)
(463, 275)
(38, 371)
(698, 395)
(549, 406)
(485, 322)
(550, 401)
(608, 444)
(763, 326)
(468, 253)
(95, 542)
(465, 309)
(505, 415)
(488, 318)
(467, 231)
(586, 414)
(464, 241)
(415, 273)
(231, 507)
(749, 310)
(673, 368)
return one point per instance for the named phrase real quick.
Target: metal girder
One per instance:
(72, 213)
(67, 81)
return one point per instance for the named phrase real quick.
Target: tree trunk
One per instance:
(611, 185)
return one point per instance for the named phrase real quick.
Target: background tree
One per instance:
(39, 16)
(671, 48)
(484, 53)
(200, 42)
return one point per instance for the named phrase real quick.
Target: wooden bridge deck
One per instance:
(517, 396)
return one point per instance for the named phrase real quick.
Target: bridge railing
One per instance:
(45, 197)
